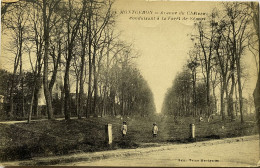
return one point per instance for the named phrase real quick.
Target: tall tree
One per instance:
(99, 17)
(72, 20)
(193, 65)
(48, 9)
(37, 37)
(206, 38)
(16, 20)
(255, 15)
(238, 19)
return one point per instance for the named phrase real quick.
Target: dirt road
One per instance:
(240, 153)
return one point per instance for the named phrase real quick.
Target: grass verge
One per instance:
(53, 138)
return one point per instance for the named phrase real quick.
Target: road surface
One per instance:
(241, 153)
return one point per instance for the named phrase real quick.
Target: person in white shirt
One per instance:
(201, 119)
(124, 129)
(155, 130)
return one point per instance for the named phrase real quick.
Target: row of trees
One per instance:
(221, 44)
(75, 41)
(180, 99)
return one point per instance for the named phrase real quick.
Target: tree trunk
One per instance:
(81, 82)
(226, 98)
(240, 90)
(36, 93)
(55, 70)
(62, 101)
(22, 78)
(67, 91)
(256, 95)
(230, 99)
(89, 100)
(31, 104)
(45, 60)
(95, 83)
(77, 96)
(112, 102)
(104, 102)
(194, 93)
(222, 101)
(11, 112)
(208, 92)
(46, 89)
(35, 101)
(106, 81)
(236, 108)
(215, 97)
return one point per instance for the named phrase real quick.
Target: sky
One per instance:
(163, 44)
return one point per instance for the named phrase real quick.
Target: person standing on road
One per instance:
(124, 129)
(201, 119)
(155, 130)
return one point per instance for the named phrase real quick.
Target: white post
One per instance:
(192, 130)
(109, 133)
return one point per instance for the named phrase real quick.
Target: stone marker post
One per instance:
(109, 134)
(192, 131)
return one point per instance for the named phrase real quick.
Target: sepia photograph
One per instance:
(130, 83)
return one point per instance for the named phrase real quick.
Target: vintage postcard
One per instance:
(142, 83)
